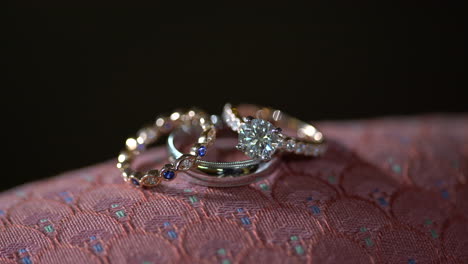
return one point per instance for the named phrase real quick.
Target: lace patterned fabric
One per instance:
(387, 191)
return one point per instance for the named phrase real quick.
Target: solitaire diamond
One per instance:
(258, 139)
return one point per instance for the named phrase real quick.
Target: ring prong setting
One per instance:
(248, 119)
(277, 130)
(257, 139)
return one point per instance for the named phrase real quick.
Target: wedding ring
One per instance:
(263, 131)
(150, 134)
(218, 174)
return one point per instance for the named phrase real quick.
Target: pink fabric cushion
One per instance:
(387, 191)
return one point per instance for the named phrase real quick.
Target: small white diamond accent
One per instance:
(291, 145)
(300, 148)
(146, 135)
(185, 162)
(309, 150)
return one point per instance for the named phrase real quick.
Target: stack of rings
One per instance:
(262, 133)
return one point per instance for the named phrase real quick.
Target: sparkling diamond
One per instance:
(310, 150)
(150, 181)
(185, 162)
(320, 150)
(300, 148)
(291, 145)
(258, 140)
(315, 150)
(231, 120)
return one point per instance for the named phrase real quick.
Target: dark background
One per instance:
(79, 81)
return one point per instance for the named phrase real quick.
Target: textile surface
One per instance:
(387, 191)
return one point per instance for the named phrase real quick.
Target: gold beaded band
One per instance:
(260, 139)
(150, 134)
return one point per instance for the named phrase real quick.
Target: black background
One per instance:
(80, 80)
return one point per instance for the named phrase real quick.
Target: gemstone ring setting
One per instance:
(260, 139)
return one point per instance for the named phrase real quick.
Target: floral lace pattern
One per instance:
(387, 191)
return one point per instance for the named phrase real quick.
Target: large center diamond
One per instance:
(257, 139)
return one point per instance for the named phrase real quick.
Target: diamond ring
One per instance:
(218, 173)
(150, 134)
(264, 131)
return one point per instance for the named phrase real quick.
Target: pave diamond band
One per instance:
(150, 134)
(261, 139)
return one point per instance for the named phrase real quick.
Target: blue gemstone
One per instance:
(201, 151)
(135, 182)
(168, 175)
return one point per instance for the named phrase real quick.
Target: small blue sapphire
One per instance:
(135, 182)
(201, 151)
(168, 175)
